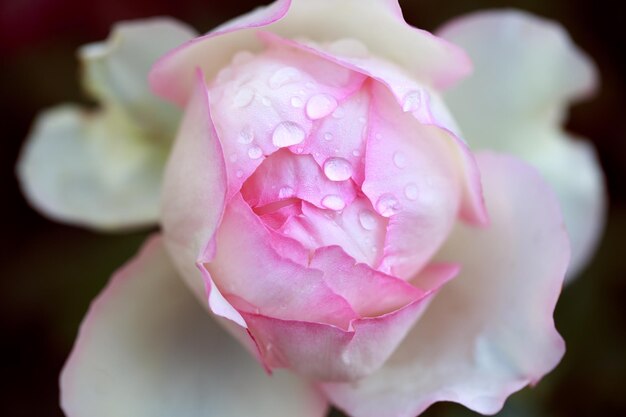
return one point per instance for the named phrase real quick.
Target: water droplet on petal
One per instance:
(367, 218)
(284, 76)
(287, 134)
(411, 101)
(255, 152)
(388, 205)
(239, 173)
(320, 105)
(410, 191)
(339, 113)
(224, 75)
(244, 97)
(299, 149)
(266, 101)
(356, 153)
(286, 192)
(297, 102)
(328, 136)
(337, 169)
(399, 159)
(333, 202)
(246, 135)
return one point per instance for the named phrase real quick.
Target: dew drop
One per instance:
(239, 173)
(339, 113)
(283, 77)
(328, 136)
(266, 101)
(356, 153)
(320, 105)
(244, 97)
(224, 75)
(246, 135)
(367, 218)
(297, 102)
(337, 169)
(286, 192)
(255, 152)
(411, 101)
(387, 205)
(299, 149)
(333, 202)
(399, 159)
(410, 191)
(287, 134)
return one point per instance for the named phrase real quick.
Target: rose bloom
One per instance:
(354, 212)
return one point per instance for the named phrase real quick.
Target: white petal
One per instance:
(526, 72)
(148, 349)
(321, 21)
(91, 169)
(116, 71)
(490, 331)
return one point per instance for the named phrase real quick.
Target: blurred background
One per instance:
(49, 272)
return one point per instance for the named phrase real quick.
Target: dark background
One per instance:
(50, 272)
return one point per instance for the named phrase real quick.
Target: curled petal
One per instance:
(490, 331)
(91, 169)
(147, 348)
(194, 196)
(411, 178)
(532, 70)
(256, 278)
(319, 20)
(115, 71)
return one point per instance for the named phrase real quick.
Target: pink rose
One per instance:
(323, 205)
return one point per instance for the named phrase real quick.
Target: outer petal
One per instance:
(91, 169)
(411, 177)
(194, 196)
(319, 20)
(526, 71)
(115, 71)
(490, 331)
(146, 348)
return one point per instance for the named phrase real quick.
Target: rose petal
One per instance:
(194, 193)
(320, 20)
(369, 292)
(327, 353)
(254, 277)
(283, 176)
(357, 229)
(147, 348)
(172, 76)
(413, 97)
(411, 177)
(91, 169)
(115, 71)
(489, 332)
(532, 70)
(290, 89)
